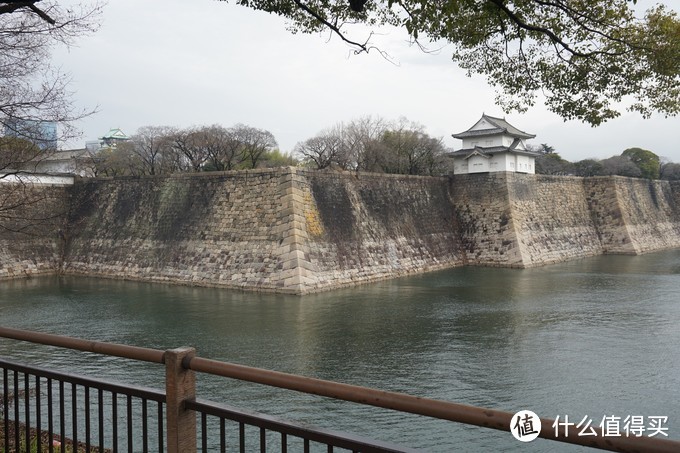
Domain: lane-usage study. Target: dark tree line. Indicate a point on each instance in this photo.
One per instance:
(375, 145)
(633, 162)
(158, 150)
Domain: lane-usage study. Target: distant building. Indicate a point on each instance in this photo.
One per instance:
(109, 140)
(42, 133)
(493, 145)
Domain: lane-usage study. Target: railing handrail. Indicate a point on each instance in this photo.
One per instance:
(456, 412)
(98, 347)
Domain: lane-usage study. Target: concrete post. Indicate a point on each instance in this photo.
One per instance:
(180, 386)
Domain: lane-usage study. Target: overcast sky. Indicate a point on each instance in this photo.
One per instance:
(157, 63)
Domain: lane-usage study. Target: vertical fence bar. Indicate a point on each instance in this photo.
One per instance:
(242, 437)
(160, 427)
(114, 415)
(100, 415)
(27, 412)
(180, 385)
(62, 416)
(204, 432)
(223, 436)
(5, 406)
(88, 433)
(129, 423)
(50, 418)
(38, 420)
(74, 408)
(145, 427)
(17, 436)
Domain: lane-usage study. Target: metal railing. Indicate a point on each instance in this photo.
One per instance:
(36, 400)
(177, 409)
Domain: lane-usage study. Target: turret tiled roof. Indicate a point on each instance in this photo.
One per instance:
(115, 134)
(500, 126)
(468, 152)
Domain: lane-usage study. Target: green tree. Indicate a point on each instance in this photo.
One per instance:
(585, 57)
(552, 164)
(588, 167)
(276, 158)
(670, 171)
(621, 166)
(648, 162)
(546, 149)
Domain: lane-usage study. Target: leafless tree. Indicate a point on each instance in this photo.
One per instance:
(190, 144)
(31, 90)
(156, 150)
(324, 149)
(222, 146)
(349, 146)
(254, 143)
(33, 93)
(360, 136)
(410, 150)
(115, 161)
(373, 144)
(153, 146)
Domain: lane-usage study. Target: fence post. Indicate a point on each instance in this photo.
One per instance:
(180, 386)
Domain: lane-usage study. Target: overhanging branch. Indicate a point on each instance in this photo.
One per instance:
(12, 5)
(334, 28)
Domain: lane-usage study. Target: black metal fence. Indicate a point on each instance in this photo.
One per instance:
(45, 410)
(252, 431)
(50, 411)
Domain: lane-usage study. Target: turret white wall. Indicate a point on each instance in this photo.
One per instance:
(497, 162)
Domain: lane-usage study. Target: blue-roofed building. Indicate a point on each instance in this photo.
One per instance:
(108, 140)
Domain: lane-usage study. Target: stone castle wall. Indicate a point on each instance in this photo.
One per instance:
(299, 231)
(359, 228)
(651, 213)
(281, 230)
(32, 219)
(222, 230)
(519, 220)
(485, 219)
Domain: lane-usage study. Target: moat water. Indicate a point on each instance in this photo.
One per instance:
(593, 337)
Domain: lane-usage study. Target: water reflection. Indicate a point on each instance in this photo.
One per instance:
(589, 337)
